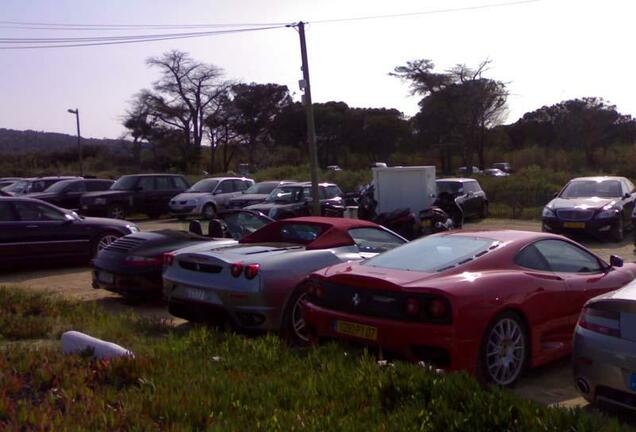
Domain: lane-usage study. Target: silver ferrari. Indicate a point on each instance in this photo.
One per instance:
(604, 353)
(258, 284)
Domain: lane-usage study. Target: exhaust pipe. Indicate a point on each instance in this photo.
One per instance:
(583, 385)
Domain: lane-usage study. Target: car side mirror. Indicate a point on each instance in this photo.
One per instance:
(616, 261)
(627, 195)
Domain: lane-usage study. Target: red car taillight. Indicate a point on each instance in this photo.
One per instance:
(168, 258)
(437, 309)
(601, 321)
(251, 270)
(315, 289)
(236, 269)
(413, 307)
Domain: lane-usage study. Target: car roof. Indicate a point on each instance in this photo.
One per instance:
(334, 231)
(54, 178)
(226, 178)
(153, 174)
(308, 183)
(508, 235)
(457, 179)
(598, 178)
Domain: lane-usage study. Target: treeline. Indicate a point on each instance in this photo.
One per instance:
(195, 121)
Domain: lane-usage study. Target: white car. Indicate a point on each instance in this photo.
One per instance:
(208, 196)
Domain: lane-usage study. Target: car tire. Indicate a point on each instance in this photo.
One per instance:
(208, 211)
(617, 234)
(483, 213)
(502, 360)
(102, 241)
(293, 328)
(116, 211)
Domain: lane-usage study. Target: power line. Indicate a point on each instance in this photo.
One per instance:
(117, 40)
(429, 12)
(63, 26)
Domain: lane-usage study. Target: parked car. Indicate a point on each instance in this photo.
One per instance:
(604, 346)
(33, 185)
(258, 284)
(333, 168)
(466, 193)
(67, 193)
(599, 206)
(206, 197)
(132, 265)
(488, 302)
(138, 193)
(495, 172)
(295, 199)
(256, 194)
(504, 166)
(36, 231)
(466, 171)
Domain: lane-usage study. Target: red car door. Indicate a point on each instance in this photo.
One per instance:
(585, 275)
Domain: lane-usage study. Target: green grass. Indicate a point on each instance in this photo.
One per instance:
(194, 378)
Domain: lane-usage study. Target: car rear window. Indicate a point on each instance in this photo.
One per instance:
(300, 233)
(433, 254)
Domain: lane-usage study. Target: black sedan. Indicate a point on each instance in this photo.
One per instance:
(35, 231)
(599, 206)
(67, 193)
(294, 200)
(132, 265)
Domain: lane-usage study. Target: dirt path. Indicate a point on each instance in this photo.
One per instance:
(551, 385)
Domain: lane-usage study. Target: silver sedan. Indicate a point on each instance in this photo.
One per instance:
(604, 354)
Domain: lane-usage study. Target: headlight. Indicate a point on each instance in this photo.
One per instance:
(132, 228)
(607, 213)
(100, 201)
(548, 212)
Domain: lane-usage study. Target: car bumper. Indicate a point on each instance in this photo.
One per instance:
(185, 210)
(434, 344)
(594, 227)
(145, 283)
(605, 368)
(245, 310)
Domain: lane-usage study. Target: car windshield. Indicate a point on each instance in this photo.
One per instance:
(432, 254)
(59, 186)
(448, 186)
(289, 194)
(18, 187)
(299, 233)
(592, 188)
(124, 183)
(261, 188)
(205, 185)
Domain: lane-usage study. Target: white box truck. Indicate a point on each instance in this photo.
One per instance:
(410, 187)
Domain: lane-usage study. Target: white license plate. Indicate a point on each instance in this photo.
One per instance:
(195, 294)
(105, 277)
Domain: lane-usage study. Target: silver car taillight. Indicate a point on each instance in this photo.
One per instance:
(601, 321)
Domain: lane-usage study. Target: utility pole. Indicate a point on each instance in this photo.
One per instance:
(311, 127)
(79, 140)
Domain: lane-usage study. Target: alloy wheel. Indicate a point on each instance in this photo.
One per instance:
(505, 351)
(117, 212)
(297, 321)
(105, 241)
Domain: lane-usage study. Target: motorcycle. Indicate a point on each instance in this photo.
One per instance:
(408, 224)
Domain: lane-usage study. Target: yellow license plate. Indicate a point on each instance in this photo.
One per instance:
(579, 225)
(426, 223)
(357, 330)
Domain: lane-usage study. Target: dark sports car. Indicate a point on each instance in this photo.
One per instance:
(488, 302)
(132, 265)
(35, 231)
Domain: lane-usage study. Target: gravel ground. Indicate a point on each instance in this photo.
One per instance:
(551, 384)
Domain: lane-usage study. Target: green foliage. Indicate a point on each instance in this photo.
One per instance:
(193, 378)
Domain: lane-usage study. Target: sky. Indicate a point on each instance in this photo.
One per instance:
(546, 51)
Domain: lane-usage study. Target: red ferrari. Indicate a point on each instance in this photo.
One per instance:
(488, 302)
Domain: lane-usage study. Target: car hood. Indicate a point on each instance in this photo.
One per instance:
(185, 196)
(581, 203)
(106, 222)
(250, 197)
(105, 194)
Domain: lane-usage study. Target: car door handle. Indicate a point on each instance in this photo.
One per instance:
(544, 276)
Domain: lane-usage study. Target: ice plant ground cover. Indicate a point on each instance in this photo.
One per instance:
(196, 378)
